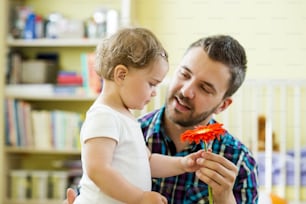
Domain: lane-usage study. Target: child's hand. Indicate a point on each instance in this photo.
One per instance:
(189, 162)
(71, 196)
(153, 198)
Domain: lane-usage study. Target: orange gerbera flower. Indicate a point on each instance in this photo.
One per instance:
(206, 134)
(203, 133)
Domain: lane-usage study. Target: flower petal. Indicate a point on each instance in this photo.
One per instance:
(203, 133)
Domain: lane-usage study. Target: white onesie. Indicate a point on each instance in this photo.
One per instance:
(130, 158)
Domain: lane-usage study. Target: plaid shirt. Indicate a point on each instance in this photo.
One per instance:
(186, 188)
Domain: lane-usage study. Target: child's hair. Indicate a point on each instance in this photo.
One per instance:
(131, 47)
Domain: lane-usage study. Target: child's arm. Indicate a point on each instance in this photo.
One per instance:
(98, 158)
(165, 166)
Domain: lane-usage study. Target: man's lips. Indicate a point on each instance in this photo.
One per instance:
(180, 105)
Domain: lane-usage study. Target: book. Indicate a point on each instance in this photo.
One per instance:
(13, 73)
(69, 79)
(92, 82)
(69, 90)
(27, 109)
(10, 120)
(66, 129)
(18, 123)
(41, 120)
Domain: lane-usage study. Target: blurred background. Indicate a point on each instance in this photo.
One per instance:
(46, 56)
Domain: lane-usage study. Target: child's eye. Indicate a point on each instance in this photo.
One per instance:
(152, 84)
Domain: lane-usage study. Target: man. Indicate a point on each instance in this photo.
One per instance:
(210, 72)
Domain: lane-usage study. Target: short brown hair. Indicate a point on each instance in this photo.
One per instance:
(228, 51)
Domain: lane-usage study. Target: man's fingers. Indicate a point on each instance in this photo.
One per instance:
(219, 159)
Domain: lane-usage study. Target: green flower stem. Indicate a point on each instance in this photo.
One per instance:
(210, 197)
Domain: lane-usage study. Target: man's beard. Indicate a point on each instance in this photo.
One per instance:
(192, 119)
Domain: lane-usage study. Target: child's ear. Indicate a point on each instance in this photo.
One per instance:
(120, 71)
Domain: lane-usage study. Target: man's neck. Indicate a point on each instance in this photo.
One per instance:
(174, 132)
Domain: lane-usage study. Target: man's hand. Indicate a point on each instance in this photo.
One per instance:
(71, 195)
(220, 174)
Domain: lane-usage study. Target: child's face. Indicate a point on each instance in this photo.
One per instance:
(140, 84)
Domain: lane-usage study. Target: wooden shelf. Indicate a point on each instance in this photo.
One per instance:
(33, 201)
(28, 150)
(51, 97)
(83, 42)
(44, 92)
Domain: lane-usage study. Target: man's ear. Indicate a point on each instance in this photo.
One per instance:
(223, 106)
(120, 71)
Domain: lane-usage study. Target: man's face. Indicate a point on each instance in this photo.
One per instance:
(197, 89)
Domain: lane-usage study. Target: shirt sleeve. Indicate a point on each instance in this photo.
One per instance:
(246, 186)
(100, 122)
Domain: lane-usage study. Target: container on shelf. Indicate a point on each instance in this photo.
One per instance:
(19, 184)
(39, 184)
(59, 182)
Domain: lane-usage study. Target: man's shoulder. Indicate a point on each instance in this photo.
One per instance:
(236, 151)
(234, 143)
(148, 115)
(228, 140)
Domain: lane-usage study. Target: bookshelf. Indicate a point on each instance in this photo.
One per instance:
(3, 23)
(31, 159)
(53, 43)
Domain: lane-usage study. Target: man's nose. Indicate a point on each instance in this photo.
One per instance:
(188, 90)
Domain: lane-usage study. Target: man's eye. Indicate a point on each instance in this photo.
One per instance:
(183, 74)
(206, 89)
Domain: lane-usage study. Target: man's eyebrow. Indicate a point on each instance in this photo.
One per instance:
(186, 69)
(210, 85)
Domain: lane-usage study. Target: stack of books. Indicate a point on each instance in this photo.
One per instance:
(69, 82)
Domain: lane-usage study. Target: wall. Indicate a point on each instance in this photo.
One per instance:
(272, 31)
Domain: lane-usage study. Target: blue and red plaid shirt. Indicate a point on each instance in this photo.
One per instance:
(186, 188)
